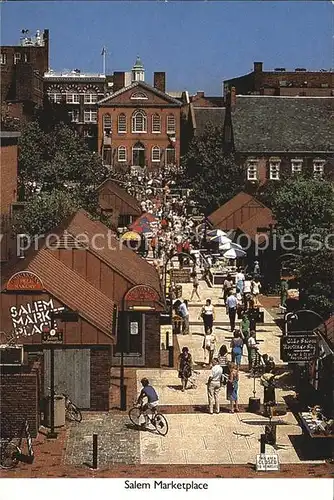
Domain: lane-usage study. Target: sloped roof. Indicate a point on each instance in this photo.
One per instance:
(262, 218)
(115, 188)
(231, 206)
(274, 124)
(64, 284)
(124, 261)
(144, 86)
(203, 116)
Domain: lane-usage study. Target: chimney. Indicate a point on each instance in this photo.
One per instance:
(118, 80)
(159, 80)
(258, 67)
(200, 93)
(233, 98)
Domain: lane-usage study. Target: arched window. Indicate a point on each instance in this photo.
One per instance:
(155, 153)
(138, 155)
(139, 95)
(122, 123)
(156, 124)
(107, 124)
(121, 153)
(139, 122)
(170, 124)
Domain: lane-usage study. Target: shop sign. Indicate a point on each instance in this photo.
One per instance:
(30, 318)
(299, 348)
(52, 336)
(267, 463)
(142, 293)
(24, 281)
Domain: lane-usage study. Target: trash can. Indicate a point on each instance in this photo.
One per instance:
(59, 420)
(254, 405)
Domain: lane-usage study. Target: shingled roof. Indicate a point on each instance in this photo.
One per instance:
(263, 218)
(275, 124)
(231, 206)
(121, 193)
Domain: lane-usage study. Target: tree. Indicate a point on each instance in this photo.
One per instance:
(214, 176)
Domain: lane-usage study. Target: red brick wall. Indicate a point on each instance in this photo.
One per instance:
(152, 341)
(100, 364)
(19, 400)
(8, 176)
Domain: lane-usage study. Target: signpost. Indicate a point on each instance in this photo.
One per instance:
(267, 463)
(299, 348)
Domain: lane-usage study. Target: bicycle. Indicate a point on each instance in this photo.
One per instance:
(72, 412)
(152, 416)
(11, 446)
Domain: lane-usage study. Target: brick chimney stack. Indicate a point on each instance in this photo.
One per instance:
(258, 67)
(118, 80)
(159, 81)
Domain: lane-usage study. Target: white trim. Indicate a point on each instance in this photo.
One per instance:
(123, 149)
(125, 121)
(274, 170)
(134, 116)
(155, 149)
(156, 115)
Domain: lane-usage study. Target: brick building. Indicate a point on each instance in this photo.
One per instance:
(139, 125)
(118, 305)
(280, 82)
(22, 70)
(275, 137)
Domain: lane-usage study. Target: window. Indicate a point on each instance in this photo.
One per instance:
(25, 58)
(252, 170)
(156, 124)
(274, 167)
(139, 122)
(170, 124)
(156, 153)
(139, 95)
(107, 123)
(74, 115)
(318, 168)
(296, 166)
(122, 124)
(170, 156)
(90, 98)
(122, 153)
(72, 98)
(90, 116)
(138, 155)
(17, 58)
(3, 58)
(55, 97)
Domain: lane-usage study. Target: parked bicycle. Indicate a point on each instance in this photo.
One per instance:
(152, 417)
(72, 412)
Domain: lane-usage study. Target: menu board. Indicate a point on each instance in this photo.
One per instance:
(299, 348)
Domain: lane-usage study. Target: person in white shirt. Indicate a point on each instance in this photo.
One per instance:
(247, 291)
(214, 384)
(240, 280)
(252, 350)
(255, 288)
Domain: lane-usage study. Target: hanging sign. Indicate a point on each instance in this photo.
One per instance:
(52, 336)
(142, 293)
(24, 281)
(299, 348)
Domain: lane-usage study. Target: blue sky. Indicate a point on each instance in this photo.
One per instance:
(198, 44)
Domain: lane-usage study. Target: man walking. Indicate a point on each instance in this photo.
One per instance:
(184, 313)
(214, 384)
(231, 309)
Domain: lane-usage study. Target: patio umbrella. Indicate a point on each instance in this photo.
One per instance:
(229, 245)
(213, 233)
(130, 236)
(234, 253)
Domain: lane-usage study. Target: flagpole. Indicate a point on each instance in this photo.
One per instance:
(103, 60)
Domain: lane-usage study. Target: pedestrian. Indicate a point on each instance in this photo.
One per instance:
(195, 285)
(184, 313)
(232, 388)
(214, 384)
(208, 316)
(245, 328)
(255, 290)
(252, 350)
(227, 287)
(256, 269)
(240, 280)
(284, 292)
(247, 291)
(154, 246)
(231, 309)
(268, 381)
(223, 361)
(185, 367)
(236, 348)
(209, 346)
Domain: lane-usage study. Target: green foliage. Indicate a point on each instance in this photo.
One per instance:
(214, 176)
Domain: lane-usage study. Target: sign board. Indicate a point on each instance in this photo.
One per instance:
(144, 293)
(52, 336)
(267, 463)
(180, 275)
(24, 281)
(134, 328)
(299, 348)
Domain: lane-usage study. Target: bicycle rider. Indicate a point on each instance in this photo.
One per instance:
(152, 400)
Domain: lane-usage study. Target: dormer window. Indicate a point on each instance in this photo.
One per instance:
(274, 169)
(139, 95)
(252, 170)
(318, 168)
(296, 165)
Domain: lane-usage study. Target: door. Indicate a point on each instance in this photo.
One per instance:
(72, 374)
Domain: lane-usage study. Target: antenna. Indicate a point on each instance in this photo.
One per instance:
(103, 54)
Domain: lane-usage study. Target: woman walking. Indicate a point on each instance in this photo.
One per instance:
(222, 360)
(208, 316)
(236, 348)
(232, 388)
(255, 290)
(209, 345)
(195, 286)
(227, 287)
(185, 367)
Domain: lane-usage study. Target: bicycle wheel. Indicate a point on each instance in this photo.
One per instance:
(160, 423)
(73, 413)
(134, 415)
(9, 455)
